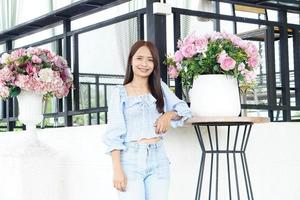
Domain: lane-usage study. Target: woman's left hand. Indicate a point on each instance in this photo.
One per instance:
(162, 124)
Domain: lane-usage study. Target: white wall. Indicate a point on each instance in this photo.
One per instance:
(74, 167)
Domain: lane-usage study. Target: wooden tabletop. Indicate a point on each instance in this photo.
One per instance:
(228, 119)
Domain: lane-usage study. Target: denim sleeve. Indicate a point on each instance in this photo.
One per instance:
(173, 103)
(116, 128)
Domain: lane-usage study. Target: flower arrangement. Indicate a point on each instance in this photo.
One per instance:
(36, 70)
(215, 53)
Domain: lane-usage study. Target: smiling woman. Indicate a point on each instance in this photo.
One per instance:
(139, 114)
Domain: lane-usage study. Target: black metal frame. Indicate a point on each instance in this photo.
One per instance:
(214, 149)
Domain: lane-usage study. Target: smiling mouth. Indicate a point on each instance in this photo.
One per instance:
(143, 69)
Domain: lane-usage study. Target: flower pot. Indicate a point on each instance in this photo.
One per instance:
(30, 109)
(215, 95)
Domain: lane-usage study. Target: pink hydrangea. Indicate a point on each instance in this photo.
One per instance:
(59, 62)
(15, 55)
(36, 59)
(34, 69)
(4, 90)
(6, 74)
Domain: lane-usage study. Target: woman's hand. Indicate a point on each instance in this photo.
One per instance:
(120, 180)
(162, 124)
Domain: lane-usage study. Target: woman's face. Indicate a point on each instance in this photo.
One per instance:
(142, 62)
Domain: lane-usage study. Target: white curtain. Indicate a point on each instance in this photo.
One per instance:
(207, 6)
(9, 10)
(125, 32)
(9, 13)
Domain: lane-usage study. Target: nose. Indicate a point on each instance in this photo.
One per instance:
(144, 62)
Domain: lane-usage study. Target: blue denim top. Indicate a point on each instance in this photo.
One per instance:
(131, 118)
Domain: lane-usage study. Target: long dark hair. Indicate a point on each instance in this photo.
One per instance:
(154, 78)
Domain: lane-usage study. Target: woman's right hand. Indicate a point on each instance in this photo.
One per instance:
(120, 180)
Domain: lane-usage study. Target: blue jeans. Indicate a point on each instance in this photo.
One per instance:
(147, 169)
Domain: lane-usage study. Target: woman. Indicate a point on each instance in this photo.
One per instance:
(139, 114)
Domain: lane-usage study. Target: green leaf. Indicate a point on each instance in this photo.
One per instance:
(14, 91)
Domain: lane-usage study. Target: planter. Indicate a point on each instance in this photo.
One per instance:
(215, 95)
(30, 109)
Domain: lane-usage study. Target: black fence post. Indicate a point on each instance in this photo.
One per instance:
(156, 33)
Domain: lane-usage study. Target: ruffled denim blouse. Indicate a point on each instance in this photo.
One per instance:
(131, 118)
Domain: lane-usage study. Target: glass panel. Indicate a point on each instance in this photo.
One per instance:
(272, 15)
(226, 9)
(107, 54)
(293, 18)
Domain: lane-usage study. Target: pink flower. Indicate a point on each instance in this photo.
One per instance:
(235, 40)
(201, 44)
(36, 59)
(188, 51)
(253, 62)
(34, 51)
(30, 69)
(17, 54)
(251, 50)
(226, 62)
(6, 74)
(59, 62)
(173, 72)
(241, 66)
(189, 40)
(178, 56)
(61, 92)
(4, 91)
(179, 44)
(28, 75)
(66, 75)
(215, 36)
(249, 76)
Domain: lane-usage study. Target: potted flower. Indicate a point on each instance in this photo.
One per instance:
(212, 66)
(31, 74)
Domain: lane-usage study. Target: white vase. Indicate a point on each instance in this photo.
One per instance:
(215, 95)
(30, 109)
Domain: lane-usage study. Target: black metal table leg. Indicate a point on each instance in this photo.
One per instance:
(209, 135)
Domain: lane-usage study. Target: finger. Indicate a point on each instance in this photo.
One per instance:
(166, 129)
(123, 186)
(115, 184)
(119, 187)
(161, 129)
(158, 128)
